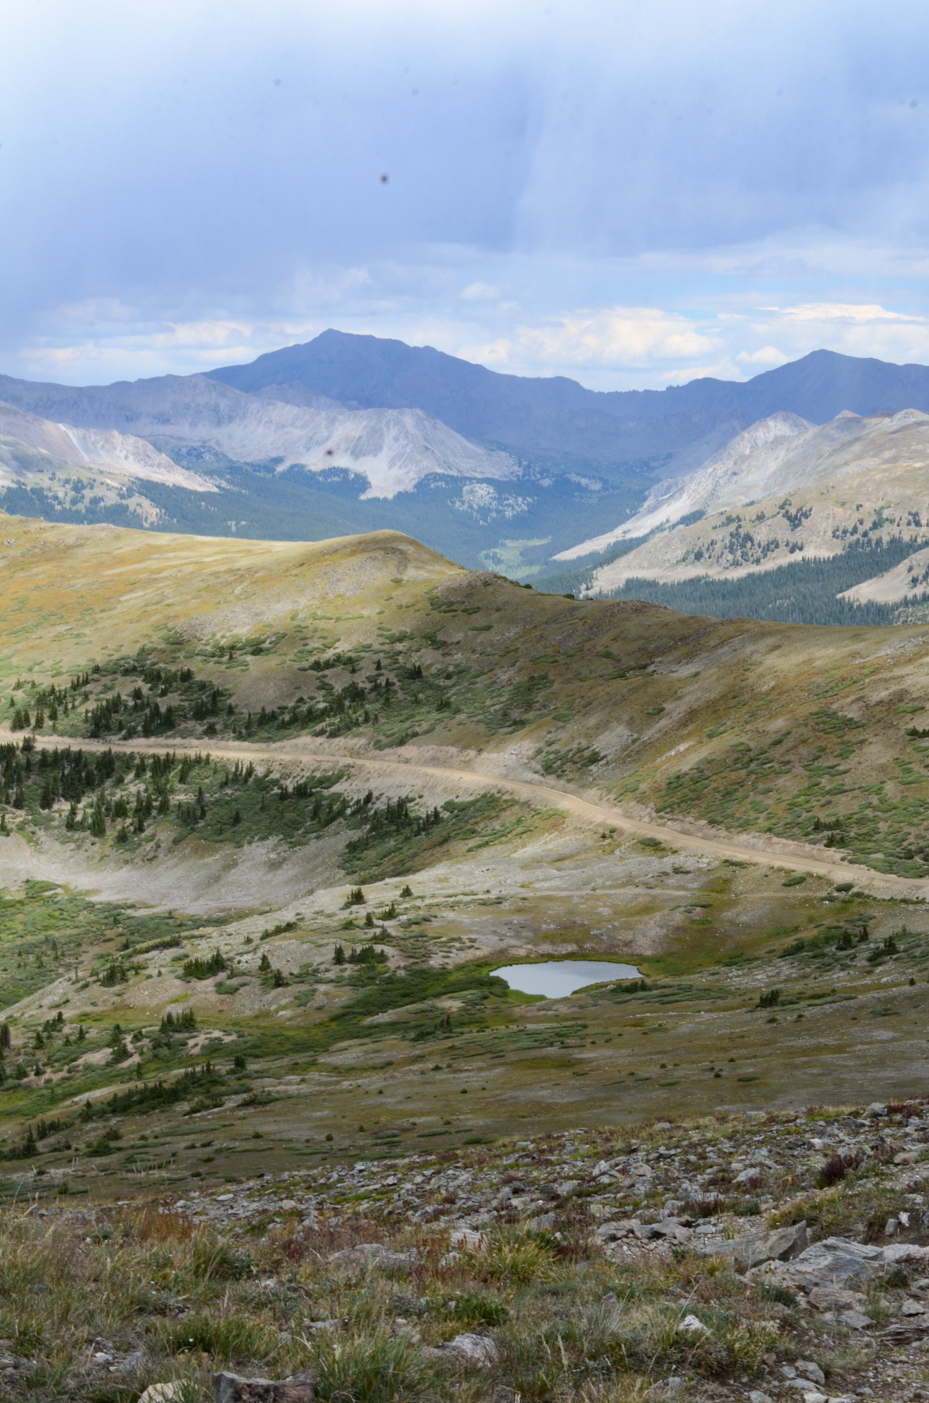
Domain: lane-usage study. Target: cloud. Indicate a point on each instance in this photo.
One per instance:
(717, 186)
(480, 292)
(619, 336)
(184, 348)
(765, 358)
(829, 312)
(854, 329)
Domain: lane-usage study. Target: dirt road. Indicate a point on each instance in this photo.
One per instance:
(774, 852)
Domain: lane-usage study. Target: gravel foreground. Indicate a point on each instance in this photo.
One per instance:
(751, 1257)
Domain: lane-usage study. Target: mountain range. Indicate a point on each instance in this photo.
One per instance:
(555, 418)
(537, 478)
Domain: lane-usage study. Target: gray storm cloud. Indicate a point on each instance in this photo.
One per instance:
(166, 162)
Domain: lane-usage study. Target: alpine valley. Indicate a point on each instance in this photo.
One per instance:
(418, 985)
(796, 495)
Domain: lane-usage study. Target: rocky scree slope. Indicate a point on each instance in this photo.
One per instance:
(199, 418)
(677, 1263)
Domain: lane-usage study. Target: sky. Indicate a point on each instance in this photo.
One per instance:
(632, 195)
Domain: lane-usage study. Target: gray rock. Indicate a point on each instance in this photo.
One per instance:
(365, 1253)
(672, 1230)
(829, 1298)
(470, 1241)
(161, 1393)
(779, 1246)
(903, 1252)
(230, 1388)
(479, 1351)
(756, 1396)
(614, 1230)
(692, 1325)
(834, 1263)
(807, 1369)
(854, 1320)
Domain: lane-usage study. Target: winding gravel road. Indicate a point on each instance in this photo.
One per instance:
(772, 852)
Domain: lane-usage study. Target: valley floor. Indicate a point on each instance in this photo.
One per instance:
(271, 820)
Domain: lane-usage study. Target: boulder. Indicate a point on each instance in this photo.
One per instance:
(692, 1325)
(834, 1263)
(470, 1241)
(479, 1351)
(161, 1393)
(807, 1369)
(855, 1320)
(365, 1253)
(230, 1388)
(779, 1246)
(671, 1229)
(898, 1252)
(835, 1299)
(614, 1230)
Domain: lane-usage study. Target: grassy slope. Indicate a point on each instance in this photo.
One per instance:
(748, 725)
(691, 716)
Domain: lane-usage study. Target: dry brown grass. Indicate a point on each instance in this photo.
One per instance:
(166, 1299)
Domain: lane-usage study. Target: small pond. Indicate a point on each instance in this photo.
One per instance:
(555, 979)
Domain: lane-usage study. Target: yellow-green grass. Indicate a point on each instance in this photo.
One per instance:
(605, 698)
(796, 732)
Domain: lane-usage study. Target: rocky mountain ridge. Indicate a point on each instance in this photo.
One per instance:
(550, 416)
(66, 447)
(783, 490)
(354, 433)
(195, 418)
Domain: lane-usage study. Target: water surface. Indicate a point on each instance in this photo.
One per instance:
(555, 979)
